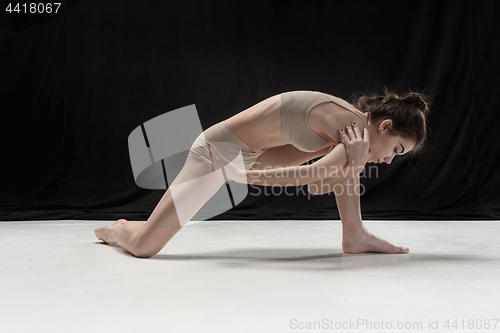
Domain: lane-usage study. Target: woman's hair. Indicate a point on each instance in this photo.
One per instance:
(408, 113)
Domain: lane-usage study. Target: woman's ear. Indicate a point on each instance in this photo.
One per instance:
(385, 124)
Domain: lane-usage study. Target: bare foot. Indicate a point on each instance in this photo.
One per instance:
(363, 241)
(106, 233)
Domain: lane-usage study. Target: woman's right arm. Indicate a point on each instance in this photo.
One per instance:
(326, 167)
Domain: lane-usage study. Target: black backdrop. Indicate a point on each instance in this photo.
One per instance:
(72, 90)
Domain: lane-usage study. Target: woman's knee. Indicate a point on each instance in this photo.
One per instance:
(146, 249)
(144, 253)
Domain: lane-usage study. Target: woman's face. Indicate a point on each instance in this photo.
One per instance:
(383, 147)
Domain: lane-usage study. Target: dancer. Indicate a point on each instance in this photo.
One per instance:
(275, 137)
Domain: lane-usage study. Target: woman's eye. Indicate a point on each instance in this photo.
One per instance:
(396, 151)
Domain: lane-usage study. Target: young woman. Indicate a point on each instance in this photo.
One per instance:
(275, 137)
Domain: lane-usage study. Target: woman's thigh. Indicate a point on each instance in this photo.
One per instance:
(285, 156)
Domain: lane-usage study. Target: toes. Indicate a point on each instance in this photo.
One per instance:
(394, 249)
(403, 250)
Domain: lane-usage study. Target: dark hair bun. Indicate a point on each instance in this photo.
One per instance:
(415, 99)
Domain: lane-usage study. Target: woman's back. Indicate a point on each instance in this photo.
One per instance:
(304, 119)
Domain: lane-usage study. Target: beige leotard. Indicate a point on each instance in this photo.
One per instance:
(295, 106)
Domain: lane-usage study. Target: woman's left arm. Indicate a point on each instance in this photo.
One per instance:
(348, 204)
(348, 200)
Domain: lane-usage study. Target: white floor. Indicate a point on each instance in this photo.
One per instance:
(263, 276)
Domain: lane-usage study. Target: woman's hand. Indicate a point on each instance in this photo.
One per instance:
(357, 146)
(219, 162)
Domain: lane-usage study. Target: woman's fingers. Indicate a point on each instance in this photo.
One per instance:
(214, 153)
(207, 162)
(344, 135)
(213, 157)
(207, 151)
(351, 132)
(348, 134)
(357, 131)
